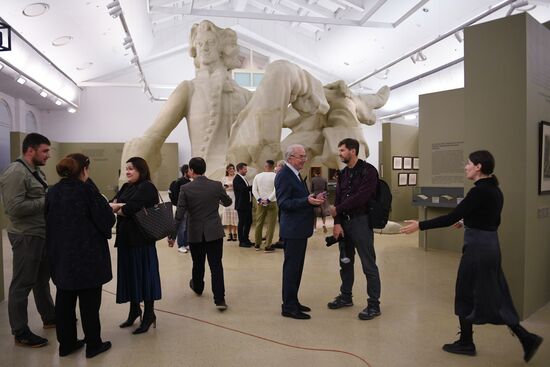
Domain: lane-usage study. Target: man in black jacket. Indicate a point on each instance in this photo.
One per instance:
(355, 187)
(174, 193)
(243, 205)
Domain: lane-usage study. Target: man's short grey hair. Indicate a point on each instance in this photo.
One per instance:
(291, 149)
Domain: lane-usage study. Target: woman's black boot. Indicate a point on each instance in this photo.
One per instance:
(529, 341)
(135, 312)
(149, 318)
(465, 345)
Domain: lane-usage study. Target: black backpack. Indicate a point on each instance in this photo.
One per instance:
(380, 205)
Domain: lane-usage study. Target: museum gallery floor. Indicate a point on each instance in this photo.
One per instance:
(417, 316)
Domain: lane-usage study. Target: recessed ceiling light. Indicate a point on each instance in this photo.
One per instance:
(21, 80)
(71, 110)
(410, 116)
(62, 41)
(84, 66)
(43, 93)
(58, 102)
(35, 9)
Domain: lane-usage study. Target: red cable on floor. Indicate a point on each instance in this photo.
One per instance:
(257, 336)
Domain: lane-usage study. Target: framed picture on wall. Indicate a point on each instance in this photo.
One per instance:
(416, 163)
(407, 163)
(397, 163)
(402, 179)
(544, 158)
(411, 179)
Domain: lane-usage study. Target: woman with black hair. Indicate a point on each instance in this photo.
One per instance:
(138, 277)
(481, 295)
(78, 224)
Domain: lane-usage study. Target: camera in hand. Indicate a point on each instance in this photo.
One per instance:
(331, 240)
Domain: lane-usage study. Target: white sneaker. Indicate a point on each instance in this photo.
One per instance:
(183, 250)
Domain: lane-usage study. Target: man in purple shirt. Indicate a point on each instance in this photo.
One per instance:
(355, 187)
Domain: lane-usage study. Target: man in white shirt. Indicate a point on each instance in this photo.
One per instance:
(263, 189)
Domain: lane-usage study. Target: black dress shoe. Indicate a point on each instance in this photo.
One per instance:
(304, 308)
(193, 288)
(244, 244)
(66, 351)
(299, 315)
(91, 353)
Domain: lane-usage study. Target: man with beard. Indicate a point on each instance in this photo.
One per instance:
(355, 187)
(23, 186)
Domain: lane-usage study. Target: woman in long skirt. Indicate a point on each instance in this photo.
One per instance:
(138, 277)
(482, 295)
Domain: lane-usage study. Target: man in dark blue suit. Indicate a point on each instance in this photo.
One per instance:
(296, 226)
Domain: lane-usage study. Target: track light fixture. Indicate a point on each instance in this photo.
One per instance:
(459, 37)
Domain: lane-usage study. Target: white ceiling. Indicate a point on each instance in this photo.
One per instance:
(334, 39)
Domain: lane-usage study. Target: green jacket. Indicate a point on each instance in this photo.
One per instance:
(23, 196)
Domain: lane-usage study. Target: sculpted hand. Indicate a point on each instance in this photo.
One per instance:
(411, 227)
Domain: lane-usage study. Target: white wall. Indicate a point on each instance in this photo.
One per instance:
(111, 114)
(18, 109)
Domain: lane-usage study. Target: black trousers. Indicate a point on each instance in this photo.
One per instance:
(358, 236)
(213, 251)
(245, 222)
(293, 266)
(89, 301)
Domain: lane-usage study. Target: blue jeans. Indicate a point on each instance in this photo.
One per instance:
(182, 233)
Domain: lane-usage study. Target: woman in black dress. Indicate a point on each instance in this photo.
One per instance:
(78, 224)
(138, 277)
(481, 295)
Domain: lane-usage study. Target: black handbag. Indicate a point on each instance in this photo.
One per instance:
(157, 221)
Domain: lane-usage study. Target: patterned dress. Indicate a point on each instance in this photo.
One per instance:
(229, 214)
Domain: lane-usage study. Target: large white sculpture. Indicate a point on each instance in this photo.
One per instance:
(228, 123)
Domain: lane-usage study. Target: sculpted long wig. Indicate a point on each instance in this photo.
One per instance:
(227, 41)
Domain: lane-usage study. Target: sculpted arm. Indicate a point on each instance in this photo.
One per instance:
(148, 146)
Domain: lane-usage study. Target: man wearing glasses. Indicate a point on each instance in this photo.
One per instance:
(296, 226)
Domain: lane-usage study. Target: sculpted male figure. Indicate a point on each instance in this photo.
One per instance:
(212, 102)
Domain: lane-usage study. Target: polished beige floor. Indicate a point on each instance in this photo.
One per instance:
(417, 317)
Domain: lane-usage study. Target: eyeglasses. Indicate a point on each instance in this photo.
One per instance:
(300, 157)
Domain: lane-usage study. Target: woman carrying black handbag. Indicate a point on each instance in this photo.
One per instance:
(138, 277)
